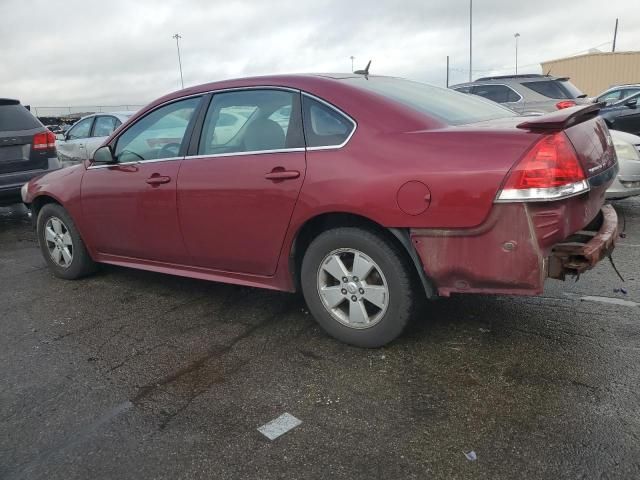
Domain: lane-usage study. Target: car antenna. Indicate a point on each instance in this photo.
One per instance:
(364, 72)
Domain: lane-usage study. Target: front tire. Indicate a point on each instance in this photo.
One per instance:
(61, 245)
(359, 286)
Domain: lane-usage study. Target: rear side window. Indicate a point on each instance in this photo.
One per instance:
(496, 93)
(556, 89)
(251, 121)
(104, 126)
(16, 117)
(324, 126)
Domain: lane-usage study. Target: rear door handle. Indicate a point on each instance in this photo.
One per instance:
(156, 179)
(282, 174)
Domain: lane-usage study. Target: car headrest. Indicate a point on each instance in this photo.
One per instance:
(264, 134)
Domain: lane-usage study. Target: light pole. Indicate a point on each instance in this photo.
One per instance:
(470, 38)
(352, 59)
(177, 36)
(517, 35)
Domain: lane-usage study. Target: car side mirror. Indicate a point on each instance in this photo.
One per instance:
(103, 156)
(61, 137)
(633, 103)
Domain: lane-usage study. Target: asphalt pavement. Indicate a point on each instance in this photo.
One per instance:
(136, 375)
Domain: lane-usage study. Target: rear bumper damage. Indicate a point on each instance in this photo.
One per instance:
(582, 250)
(518, 247)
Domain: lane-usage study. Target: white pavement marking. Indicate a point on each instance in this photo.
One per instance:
(626, 245)
(279, 426)
(613, 301)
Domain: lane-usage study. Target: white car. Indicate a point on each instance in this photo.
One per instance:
(87, 134)
(627, 183)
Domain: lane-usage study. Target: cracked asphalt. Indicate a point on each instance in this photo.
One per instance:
(135, 375)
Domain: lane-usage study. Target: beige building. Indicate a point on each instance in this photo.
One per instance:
(594, 72)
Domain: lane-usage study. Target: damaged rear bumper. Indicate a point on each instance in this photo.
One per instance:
(582, 250)
(519, 246)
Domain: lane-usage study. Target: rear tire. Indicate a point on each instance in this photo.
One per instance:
(359, 286)
(61, 245)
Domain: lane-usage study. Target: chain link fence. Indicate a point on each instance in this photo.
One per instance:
(75, 112)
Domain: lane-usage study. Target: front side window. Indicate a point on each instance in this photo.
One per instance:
(627, 92)
(251, 121)
(80, 129)
(496, 93)
(157, 135)
(104, 126)
(610, 97)
(324, 126)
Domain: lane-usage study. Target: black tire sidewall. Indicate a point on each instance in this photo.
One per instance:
(396, 273)
(81, 263)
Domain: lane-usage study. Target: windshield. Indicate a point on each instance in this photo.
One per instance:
(449, 106)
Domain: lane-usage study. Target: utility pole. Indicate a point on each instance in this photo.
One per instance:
(470, 39)
(517, 35)
(615, 36)
(352, 59)
(178, 37)
(447, 71)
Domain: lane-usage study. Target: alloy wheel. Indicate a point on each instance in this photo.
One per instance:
(353, 288)
(59, 242)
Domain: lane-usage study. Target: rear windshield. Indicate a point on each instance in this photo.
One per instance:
(449, 106)
(558, 89)
(16, 117)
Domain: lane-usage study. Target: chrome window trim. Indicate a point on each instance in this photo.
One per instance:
(501, 85)
(252, 152)
(117, 164)
(340, 112)
(189, 157)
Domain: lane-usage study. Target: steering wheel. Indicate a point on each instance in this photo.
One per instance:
(169, 150)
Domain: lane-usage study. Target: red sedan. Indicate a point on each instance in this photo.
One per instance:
(367, 193)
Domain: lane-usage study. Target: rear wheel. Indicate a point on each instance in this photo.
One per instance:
(358, 285)
(61, 245)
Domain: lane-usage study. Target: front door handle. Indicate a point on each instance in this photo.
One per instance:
(282, 174)
(156, 179)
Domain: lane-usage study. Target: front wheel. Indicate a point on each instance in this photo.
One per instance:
(61, 245)
(359, 286)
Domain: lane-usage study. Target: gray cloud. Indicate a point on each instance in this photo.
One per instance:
(81, 52)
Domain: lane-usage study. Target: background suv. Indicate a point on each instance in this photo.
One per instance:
(27, 149)
(526, 94)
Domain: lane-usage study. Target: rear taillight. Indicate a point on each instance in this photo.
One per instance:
(550, 170)
(44, 140)
(565, 104)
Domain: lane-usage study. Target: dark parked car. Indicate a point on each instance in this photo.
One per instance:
(27, 149)
(526, 94)
(623, 115)
(365, 192)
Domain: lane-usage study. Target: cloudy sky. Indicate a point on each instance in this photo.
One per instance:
(85, 52)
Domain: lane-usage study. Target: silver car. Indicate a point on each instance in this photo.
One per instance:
(627, 183)
(87, 134)
(526, 94)
(617, 93)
